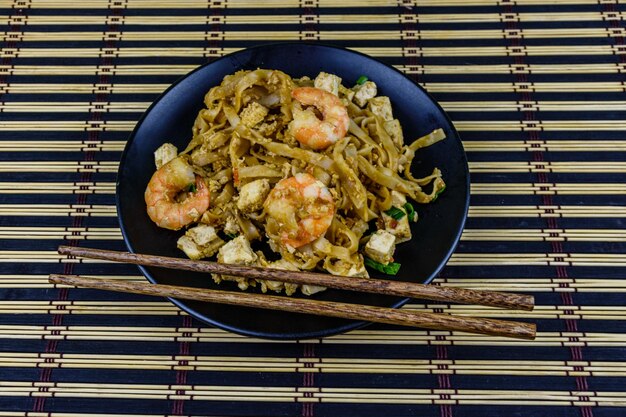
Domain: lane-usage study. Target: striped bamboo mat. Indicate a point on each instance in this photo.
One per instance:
(537, 91)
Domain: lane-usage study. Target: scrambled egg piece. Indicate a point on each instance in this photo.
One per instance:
(253, 114)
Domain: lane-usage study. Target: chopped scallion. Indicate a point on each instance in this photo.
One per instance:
(362, 79)
(192, 188)
(391, 268)
(395, 213)
(410, 211)
(231, 236)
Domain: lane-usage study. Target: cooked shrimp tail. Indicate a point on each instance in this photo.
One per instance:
(300, 209)
(313, 132)
(175, 196)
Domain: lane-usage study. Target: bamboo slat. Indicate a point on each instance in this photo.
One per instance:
(322, 18)
(181, 69)
(61, 145)
(548, 211)
(548, 188)
(312, 394)
(57, 188)
(210, 52)
(57, 233)
(542, 235)
(578, 167)
(544, 145)
(323, 35)
(244, 4)
(382, 337)
(313, 365)
(58, 210)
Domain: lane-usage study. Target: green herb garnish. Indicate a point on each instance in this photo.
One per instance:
(231, 236)
(192, 188)
(391, 268)
(410, 211)
(438, 192)
(395, 213)
(362, 79)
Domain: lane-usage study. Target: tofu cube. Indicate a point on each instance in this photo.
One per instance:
(328, 82)
(191, 248)
(253, 114)
(393, 128)
(231, 227)
(346, 92)
(381, 247)
(400, 228)
(202, 234)
(278, 286)
(381, 107)
(164, 154)
(238, 252)
(364, 92)
(252, 195)
(398, 199)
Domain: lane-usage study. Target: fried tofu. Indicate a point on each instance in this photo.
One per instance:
(364, 92)
(381, 247)
(328, 82)
(252, 195)
(164, 154)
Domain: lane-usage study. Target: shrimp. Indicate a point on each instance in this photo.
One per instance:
(163, 189)
(313, 132)
(300, 209)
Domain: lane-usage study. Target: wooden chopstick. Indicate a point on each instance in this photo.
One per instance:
(377, 286)
(309, 306)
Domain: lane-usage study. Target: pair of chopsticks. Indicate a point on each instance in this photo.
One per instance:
(310, 306)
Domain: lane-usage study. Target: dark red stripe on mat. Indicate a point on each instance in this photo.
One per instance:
(81, 199)
(178, 407)
(551, 222)
(408, 25)
(308, 379)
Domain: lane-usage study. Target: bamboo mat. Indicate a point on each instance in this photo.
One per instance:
(537, 91)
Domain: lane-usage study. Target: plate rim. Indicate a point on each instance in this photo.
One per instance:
(353, 324)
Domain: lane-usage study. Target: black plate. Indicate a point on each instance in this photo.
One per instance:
(170, 118)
